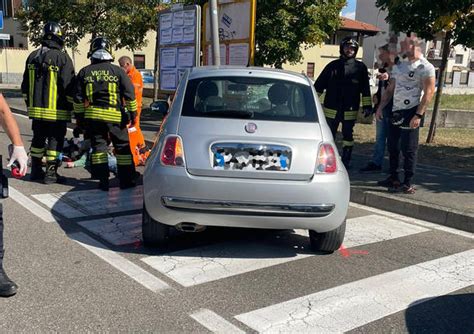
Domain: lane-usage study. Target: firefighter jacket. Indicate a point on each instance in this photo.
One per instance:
(137, 82)
(344, 80)
(103, 92)
(48, 83)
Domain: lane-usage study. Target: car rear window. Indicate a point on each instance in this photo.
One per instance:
(249, 98)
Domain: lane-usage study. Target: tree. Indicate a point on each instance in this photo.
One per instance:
(452, 19)
(284, 25)
(124, 22)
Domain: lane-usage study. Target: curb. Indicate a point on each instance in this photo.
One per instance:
(416, 209)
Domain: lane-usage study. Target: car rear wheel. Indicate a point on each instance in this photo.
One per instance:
(328, 241)
(155, 234)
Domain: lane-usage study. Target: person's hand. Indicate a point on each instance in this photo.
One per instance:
(383, 76)
(415, 122)
(378, 114)
(367, 111)
(375, 99)
(19, 154)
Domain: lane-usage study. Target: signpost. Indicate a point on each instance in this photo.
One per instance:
(179, 37)
(236, 20)
(1, 19)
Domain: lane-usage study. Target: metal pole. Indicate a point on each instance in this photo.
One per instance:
(216, 54)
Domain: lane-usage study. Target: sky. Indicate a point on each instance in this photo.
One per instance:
(349, 10)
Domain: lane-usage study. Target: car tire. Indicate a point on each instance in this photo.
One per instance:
(327, 242)
(155, 234)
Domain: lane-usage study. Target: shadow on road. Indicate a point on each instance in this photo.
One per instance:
(445, 314)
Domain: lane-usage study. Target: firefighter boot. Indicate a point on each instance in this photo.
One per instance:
(130, 182)
(37, 172)
(346, 156)
(7, 286)
(104, 184)
(52, 175)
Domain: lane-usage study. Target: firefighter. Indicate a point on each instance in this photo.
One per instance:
(345, 80)
(137, 141)
(48, 83)
(104, 103)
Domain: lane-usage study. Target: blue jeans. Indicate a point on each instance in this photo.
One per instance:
(381, 135)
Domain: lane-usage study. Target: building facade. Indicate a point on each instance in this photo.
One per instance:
(316, 58)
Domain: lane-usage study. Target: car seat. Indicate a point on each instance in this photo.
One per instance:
(207, 93)
(278, 96)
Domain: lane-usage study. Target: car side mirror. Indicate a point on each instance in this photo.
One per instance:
(160, 106)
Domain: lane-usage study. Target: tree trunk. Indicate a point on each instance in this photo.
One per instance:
(439, 91)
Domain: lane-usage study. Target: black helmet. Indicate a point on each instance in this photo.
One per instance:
(53, 31)
(99, 43)
(348, 41)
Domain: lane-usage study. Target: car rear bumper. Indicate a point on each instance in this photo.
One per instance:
(172, 196)
(250, 208)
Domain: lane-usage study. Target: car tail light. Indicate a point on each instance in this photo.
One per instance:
(326, 161)
(172, 153)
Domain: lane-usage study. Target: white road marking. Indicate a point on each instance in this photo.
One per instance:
(127, 267)
(30, 205)
(214, 322)
(123, 230)
(209, 263)
(75, 204)
(414, 221)
(352, 305)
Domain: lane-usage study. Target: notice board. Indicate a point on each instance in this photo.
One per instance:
(179, 41)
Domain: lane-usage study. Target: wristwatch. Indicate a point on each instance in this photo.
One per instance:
(419, 115)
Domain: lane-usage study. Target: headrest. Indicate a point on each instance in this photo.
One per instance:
(206, 89)
(278, 94)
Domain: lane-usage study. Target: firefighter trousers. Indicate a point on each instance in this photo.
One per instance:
(347, 129)
(48, 139)
(101, 134)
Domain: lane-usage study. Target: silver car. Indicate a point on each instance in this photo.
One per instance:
(245, 147)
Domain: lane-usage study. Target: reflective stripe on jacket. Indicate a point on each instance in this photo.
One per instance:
(103, 91)
(48, 83)
(345, 81)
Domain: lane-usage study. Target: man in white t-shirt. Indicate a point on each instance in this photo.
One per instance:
(412, 86)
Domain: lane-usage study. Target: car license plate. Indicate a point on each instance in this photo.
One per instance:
(251, 157)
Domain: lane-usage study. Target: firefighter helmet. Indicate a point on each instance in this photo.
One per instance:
(348, 41)
(99, 43)
(53, 31)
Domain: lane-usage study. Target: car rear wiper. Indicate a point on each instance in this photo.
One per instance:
(230, 113)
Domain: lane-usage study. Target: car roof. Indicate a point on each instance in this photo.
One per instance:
(261, 72)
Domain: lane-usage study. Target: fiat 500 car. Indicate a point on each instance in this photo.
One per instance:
(245, 147)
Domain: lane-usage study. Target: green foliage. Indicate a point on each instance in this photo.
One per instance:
(284, 25)
(428, 18)
(124, 22)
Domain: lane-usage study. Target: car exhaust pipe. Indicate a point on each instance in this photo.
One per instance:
(190, 227)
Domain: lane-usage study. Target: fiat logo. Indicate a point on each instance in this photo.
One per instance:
(251, 127)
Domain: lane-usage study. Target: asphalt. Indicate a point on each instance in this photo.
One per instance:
(442, 196)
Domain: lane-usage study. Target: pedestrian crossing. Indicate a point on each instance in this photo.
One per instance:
(210, 263)
(352, 305)
(334, 309)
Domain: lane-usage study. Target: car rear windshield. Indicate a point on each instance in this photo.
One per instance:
(249, 98)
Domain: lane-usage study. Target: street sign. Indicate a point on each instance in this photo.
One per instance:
(1, 19)
(5, 36)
